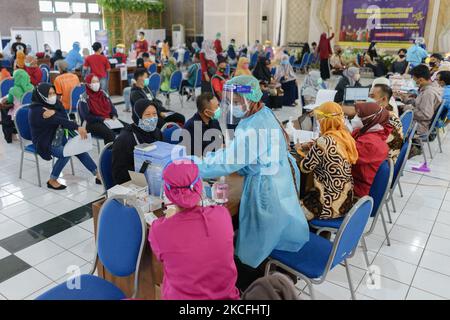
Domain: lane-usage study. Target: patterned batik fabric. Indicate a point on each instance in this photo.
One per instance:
(332, 195)
(395, 139)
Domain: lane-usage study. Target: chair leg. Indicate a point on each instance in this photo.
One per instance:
(400, 189)
(21, 165)
(312, 293)
(429, 148)
(350, 283)
(383, 220)
(423, 150)
(393, 208)
(38, 171)
(439, 141)
(71, 165)
(365, 251)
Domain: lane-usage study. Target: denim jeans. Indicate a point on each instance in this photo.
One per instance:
(104, 84)
(58, 152)
(127, 98)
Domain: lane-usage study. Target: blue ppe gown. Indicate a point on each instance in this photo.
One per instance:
(270, 216)
(74, 58)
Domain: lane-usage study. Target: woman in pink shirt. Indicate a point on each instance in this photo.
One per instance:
(195, 243)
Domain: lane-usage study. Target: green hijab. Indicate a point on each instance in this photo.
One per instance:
(22, 85)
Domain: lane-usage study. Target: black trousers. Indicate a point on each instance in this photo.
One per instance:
(325, 69)
(99, 129)
(8, 126)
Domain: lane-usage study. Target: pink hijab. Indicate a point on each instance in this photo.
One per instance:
(182, 183)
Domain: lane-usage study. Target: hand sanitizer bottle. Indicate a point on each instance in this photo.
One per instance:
(220, 191)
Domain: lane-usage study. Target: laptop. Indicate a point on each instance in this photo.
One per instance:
(353, 94)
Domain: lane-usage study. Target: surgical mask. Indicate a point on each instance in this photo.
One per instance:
(120, 50)
(50, 100)
(217, 114)
(357, 123)
(148, 124)
(222, 70)
(238, 112)
(285, 62)
(95, 86)
(146, 82)
(370, 100)
(27, 64)
(319, 81)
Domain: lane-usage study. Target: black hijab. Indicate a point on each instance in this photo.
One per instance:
(262, 72)
(57, 56)
(372, 52)
(40, 92)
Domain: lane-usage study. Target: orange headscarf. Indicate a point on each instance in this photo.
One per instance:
(240, 70)
(331, 119)
(20, 59)
(4, 74)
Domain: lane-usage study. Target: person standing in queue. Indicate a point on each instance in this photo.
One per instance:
(270, 216)
(99, 65)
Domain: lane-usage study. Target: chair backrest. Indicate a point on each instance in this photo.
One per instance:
(121, 237)
(75, 97)
(5, 85)
(436, 117)
(187, 57)
(45, 66)
(407, 120)
(304, 60)
(153, 68)
(273, 71)
(175, 55)
(175, 80)
(22, 123)
(381, 185)
(310, 60)
(401, 161)
(26, 98)
(268, 55)
(154, 83)
(105, 167)
(198, 80)
(292, 60)
(253, 60)
(5, 63)
(349, 235)
(45, 75)
(167, 132)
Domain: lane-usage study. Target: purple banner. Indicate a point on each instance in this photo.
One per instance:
(383, 20)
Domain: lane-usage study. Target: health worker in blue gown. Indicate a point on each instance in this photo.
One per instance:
(270, 216)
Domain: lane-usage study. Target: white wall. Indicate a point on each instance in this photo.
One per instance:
(228, 17)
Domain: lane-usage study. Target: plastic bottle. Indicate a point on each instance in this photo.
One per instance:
(220, 191)
(290, 130)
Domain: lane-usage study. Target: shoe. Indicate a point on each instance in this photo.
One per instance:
(98, 181)
(61, 187)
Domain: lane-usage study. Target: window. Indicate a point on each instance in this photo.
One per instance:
(79, 7)
(45, 6)
(62, 6)
(93, 8)
(48, 25)
(95, 26)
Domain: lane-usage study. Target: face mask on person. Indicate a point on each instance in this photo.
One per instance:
(222, 70)
(245, 66)
(238, 112)
(285, 62)
(319, 81)
(50, 100)
(95, 86)
(370, 100)
(217, 114)
(120, 50)
(27, 64)
(357, 123)
(146, 82)
(148, 124)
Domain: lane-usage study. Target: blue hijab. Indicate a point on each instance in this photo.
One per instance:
(74, 58)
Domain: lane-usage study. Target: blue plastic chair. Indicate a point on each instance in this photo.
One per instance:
(198, 83)
(175, 56)
(5, 63)
(5, 85)
(379, 193)
(75, 97)
(105, 167)
(187, 57)
(26, 98)
(407, 120)
(398, 171)
(268, 55)
(121, 236)
(153, 68)
(175, 84)
(292, 60)
(425, 138)
(273, 71)
(168, 131)
(318, 256)
(155, 83)
(302, 64)
(253, 60)
(45, 75)
(45, 66)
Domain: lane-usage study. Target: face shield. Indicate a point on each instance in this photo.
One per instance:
(234, 104)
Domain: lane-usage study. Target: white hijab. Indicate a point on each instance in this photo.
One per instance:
(208, 50)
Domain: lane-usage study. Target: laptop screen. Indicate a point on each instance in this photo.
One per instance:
(356, 94)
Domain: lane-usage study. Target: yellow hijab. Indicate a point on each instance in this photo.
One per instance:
(20, 59)
(331, 119)
(240, 71)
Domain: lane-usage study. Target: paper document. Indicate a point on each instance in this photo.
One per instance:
(322, 97)
(113, 124)
(76, 146)
(302, 136)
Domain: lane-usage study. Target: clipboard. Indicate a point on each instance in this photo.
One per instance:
(76, 146)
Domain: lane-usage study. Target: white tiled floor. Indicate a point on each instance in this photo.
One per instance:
(415, 266)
